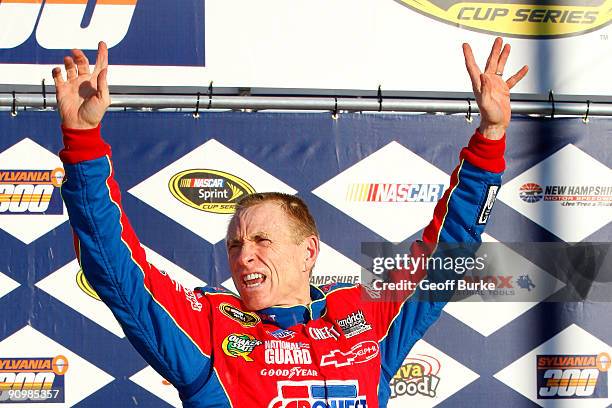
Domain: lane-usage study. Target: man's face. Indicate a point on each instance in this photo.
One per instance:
(268, 267)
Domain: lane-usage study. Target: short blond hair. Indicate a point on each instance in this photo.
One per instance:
(303, 224)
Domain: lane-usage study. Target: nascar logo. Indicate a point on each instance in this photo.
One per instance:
(392, 193)
(519, 18)
(30, 191)
(209, 190)
(60, 23)
(318, 394)
(246, 319)
(33, 379)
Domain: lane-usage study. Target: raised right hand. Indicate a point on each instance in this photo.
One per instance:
(82, 99)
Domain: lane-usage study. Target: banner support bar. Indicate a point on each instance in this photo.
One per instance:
(256, 103)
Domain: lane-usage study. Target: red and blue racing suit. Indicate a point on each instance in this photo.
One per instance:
(338, 351)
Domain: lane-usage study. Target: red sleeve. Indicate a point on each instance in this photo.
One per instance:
(82, 145)
(485, 153)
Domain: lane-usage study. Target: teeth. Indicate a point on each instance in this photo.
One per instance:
(251, 277)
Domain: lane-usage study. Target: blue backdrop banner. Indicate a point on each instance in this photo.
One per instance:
(557, 188)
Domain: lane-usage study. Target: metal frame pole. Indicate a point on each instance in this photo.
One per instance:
(155, 102)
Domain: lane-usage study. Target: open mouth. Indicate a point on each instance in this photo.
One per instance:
(253, 280)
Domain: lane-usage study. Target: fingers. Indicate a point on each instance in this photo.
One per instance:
(472, 67)
(103, 91)
(81, 61)
(501, 63)
(101, 58)
(57, 76)
(485, 88)
(71, 68)
(493, 56)
(515, 79)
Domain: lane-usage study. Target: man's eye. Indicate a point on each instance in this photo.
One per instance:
(264, 241)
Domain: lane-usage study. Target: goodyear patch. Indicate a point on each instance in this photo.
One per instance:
(31, 192)
(208, 190)
(519, 18)
(32, 380)
(246, 319)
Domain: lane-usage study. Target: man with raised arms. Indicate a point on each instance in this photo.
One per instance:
(282, 342)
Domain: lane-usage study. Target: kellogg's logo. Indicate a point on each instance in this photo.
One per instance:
(31, 192)
(209, 190)
(519, 18)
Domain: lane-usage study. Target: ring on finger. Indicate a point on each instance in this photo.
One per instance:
(499, 73)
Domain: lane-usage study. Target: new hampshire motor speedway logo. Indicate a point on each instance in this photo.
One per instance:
(151, 32)
(318, 394)
(418, 375)
(519, 18)
(573, 376)
(567, 195)
(31, 380)
(31, 192)
(208, 190)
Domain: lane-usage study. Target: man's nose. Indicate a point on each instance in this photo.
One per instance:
(247, 254)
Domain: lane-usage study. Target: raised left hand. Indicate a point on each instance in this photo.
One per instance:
(492, 92)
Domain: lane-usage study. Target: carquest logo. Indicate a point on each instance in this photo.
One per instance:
(209, 190)
(151, 32)
(520, 18)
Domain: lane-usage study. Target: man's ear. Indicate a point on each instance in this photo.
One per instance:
(311, 246)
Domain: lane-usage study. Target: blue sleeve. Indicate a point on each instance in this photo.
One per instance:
(459, 216)
(169, 325)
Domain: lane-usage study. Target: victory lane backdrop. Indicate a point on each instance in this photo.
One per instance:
(336, 166)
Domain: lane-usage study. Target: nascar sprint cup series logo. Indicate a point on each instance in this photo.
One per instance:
(31, 191)
(519, 18)
(209, 190)
(28, 380)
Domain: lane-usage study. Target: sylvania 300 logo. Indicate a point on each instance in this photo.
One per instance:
(519, 18)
